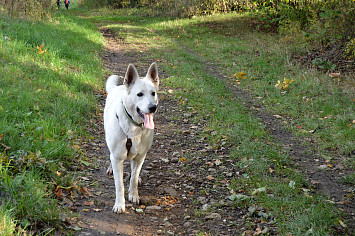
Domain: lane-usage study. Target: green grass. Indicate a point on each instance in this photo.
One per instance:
(7, 225)
(228, 44)
(47, 97)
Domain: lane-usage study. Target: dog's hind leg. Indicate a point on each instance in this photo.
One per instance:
(117, 167)
(136, 166)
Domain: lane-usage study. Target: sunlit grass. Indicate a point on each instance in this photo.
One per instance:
(49, 74)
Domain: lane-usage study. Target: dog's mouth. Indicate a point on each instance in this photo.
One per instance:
(147, 119)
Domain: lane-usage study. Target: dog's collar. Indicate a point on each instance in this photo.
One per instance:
(130, 117)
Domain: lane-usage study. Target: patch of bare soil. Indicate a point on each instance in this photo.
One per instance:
(179, 198)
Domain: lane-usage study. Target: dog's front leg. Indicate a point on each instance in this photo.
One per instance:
(136, 166)
(117, 167)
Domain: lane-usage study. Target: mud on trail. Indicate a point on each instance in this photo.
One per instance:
(174, 200)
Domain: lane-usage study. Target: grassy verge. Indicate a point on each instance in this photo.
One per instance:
(49, 72)
(257, 62)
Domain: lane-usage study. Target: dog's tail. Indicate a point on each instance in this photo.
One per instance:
(112, 82)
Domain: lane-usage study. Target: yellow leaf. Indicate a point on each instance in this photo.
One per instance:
(183, 159)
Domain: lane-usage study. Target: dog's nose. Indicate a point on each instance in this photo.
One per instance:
(152, 108)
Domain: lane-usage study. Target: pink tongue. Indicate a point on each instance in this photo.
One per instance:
(148, 121)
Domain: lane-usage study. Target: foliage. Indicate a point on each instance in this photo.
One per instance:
(350, 49)
(323, 64)
(34, 10)
(319, 24)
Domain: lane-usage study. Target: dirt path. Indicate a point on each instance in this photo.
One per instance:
(177, 198)
(170, 193)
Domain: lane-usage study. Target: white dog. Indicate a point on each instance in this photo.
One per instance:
(128, 121)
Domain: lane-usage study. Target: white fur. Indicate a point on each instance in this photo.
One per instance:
(117, 130)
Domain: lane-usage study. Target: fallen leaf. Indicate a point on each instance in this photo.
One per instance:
(292, 184)
(97, 210)
(89, 203)
(85, 191)
(238, 197)
(210, 177)
(59, 192)
(334, 75)
(342, 224)
(284, 85)
(139, 210)
(258, 231)
(315, 182)
(259, 190)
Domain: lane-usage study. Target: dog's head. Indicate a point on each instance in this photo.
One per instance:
(142, 99)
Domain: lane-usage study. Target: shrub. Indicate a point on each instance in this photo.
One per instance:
(35, 10)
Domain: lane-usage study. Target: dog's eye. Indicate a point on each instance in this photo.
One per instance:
(140, 94)
(153, 94)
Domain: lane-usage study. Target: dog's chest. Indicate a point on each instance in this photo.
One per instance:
(139, 144)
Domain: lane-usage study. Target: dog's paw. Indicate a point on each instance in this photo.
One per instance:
(119, 208)
(134, 198)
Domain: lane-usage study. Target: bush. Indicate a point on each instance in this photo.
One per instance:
(35, 10)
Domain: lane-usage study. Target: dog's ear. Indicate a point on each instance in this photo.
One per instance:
(153, 74)
(131, 75)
